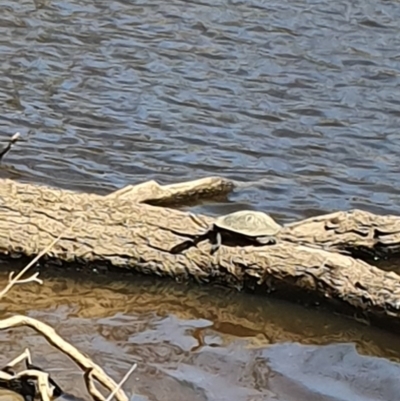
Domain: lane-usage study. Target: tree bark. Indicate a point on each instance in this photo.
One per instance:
(124, 232)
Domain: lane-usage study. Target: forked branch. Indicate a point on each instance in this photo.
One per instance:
(56, 341)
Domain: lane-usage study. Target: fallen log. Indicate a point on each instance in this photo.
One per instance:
(152, 193)
(358, 232)
(115, 232)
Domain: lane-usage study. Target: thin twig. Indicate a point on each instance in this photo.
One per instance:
(198, 221)
(10, 143)
(25, 355)
(121, 383)
(91, 387)
(42, 381)
(33, 278)
(12, 281)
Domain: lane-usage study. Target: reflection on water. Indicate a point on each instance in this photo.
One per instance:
(301, 97)
(198, 344)
(335, 372)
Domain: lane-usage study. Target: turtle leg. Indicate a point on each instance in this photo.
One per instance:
(267, 240)
(183, 246)
(216, 242)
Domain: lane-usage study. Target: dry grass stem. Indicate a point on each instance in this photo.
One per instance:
(56, 341)
(9, 145)
(121, 383)
(34, 278)
(25, 355)
(92, 390)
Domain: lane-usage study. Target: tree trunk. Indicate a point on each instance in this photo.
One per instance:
(121, 231)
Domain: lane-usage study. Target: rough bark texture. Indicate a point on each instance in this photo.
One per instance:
(119, 231)
(355, 231)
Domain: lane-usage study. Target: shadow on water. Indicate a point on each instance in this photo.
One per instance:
(193, 343)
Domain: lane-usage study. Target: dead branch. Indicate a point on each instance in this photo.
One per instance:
(34, 278)
(9, 145)
(91, 387)
(21, 382)
(121, 383)
(56, 341)
(42, 379)
(26, 355)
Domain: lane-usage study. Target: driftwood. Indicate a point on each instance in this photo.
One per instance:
(311, 257)
(153, 193)
(22, 383)
(91, 370)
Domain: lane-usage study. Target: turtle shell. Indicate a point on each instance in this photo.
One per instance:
(248, 222)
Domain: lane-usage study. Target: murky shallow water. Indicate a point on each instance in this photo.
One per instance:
(191, 343)
(298, 99)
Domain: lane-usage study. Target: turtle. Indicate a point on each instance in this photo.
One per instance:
(244, 226)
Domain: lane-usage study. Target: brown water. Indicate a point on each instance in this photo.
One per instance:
(299, 100)
(193, 343)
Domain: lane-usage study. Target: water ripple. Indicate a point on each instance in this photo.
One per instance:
(300, 98)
